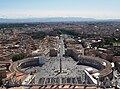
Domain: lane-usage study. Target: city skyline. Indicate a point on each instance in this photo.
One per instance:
(99, 9)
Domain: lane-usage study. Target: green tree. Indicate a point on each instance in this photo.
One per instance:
(18, 57)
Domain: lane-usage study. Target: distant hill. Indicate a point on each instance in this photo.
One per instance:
(53, 19)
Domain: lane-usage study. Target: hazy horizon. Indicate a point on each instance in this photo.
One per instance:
(98, 9)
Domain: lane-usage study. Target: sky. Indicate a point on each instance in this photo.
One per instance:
(100, 9)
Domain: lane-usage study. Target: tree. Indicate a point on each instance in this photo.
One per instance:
(18, 57)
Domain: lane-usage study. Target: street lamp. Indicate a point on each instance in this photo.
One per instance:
(116, 40)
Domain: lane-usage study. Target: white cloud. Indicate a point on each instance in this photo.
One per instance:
(63, 13)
